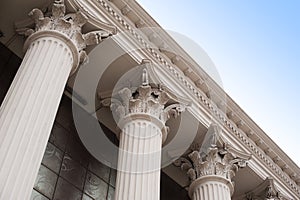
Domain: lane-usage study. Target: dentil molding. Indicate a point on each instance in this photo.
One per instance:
(203, 100)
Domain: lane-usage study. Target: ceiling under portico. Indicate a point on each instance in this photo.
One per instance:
(110, 77)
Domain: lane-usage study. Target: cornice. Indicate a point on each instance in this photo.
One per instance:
(199, 89)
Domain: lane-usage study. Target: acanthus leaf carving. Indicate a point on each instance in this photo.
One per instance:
(218, 159)
(147, 99)
(203, 100)
(68, 24)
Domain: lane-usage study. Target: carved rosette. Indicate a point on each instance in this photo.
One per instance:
(146, 102)
(219, 159)
(57, 21)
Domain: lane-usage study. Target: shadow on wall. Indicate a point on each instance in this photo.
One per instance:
(67, 170)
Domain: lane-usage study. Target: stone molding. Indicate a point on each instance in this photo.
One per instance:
(217, 113)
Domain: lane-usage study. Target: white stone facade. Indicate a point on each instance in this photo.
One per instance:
(237, 160)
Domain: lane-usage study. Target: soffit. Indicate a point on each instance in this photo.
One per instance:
(15, 43)
(262, 141)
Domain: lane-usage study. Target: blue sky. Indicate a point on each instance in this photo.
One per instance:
(255, 46)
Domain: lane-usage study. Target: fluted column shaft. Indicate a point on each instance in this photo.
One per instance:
(139, 161)
(211, 188)
(28, 112)
(142, 115)
(55, 47)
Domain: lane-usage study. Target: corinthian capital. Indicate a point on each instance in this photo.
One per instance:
(67, 24)
(147, 101)
(218, 158)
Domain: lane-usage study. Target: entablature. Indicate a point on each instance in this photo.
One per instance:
(244, 128)
(209, 98)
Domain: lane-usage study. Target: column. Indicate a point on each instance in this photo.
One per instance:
(141, 117)
(211, 188)
(54, 50)
(212, 167)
